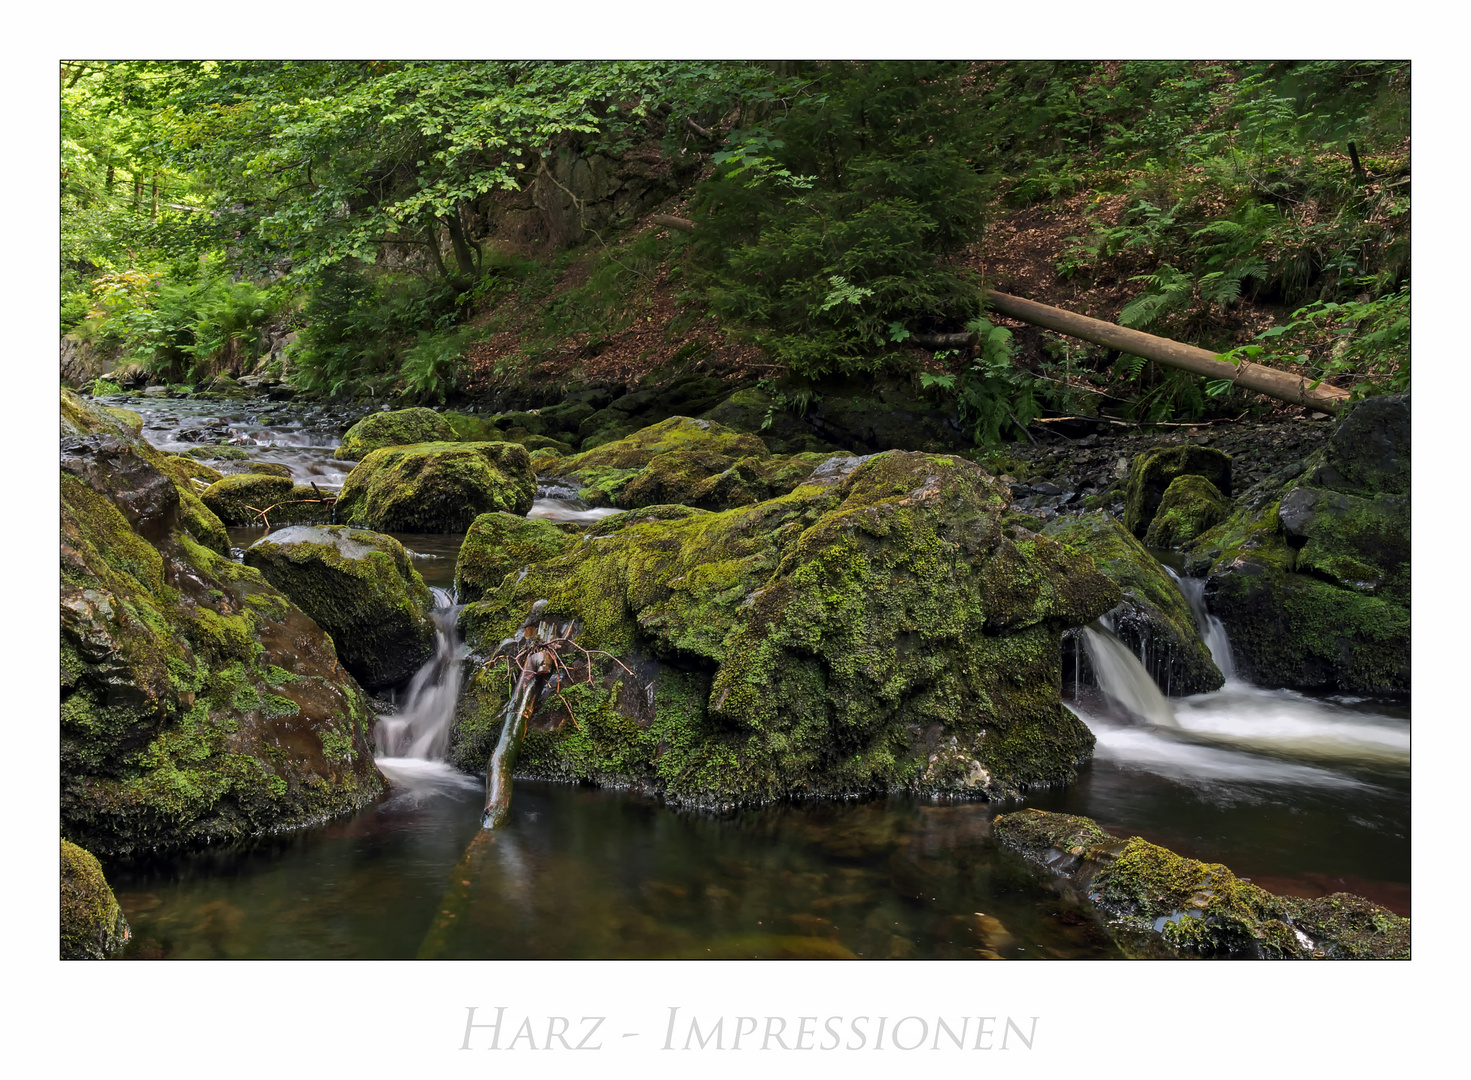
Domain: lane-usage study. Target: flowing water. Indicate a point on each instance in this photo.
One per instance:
(1304, 795)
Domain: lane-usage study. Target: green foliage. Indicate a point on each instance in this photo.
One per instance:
(992, 393)
(1367, 339)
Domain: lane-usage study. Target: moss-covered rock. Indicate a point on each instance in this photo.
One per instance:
(268, 468)
(1190, 506)
(1311, 575)
(400, 427)
(498, 544)
(1162, 904)
(872, 630)
(1153, 612)
(1152, 472)
(92, 924)
(239, 498)
(681, 460)
(359, 586)
(197, 702)
(756, 412)
(437, 486)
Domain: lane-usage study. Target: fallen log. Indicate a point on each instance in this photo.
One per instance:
(1282, 385)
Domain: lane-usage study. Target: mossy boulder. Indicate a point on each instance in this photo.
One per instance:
(756, 412)
(237, 499)
(1152, 472)
(436, 486)
(1311, 574)
(681, 460)
(865, 416)
(1159, 903)
(1153, 612)
(1189, 506)
(400, 427)
(92, 924)
(873, 630)
(198, 704)
(498, 544)
(359, 586)
(268, 468)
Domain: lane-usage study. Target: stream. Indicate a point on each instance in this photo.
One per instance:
(1304, 795)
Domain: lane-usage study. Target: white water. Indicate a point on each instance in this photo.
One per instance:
(1123, 679)
(1211, 629)
(412, 742)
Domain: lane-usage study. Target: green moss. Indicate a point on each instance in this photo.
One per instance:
(92, 924)
(436, 487)
(399, 428)
(869, 632)
(1160, 900)
(1152, 472)
(499, 544)
(1190, 506)
(237, 499)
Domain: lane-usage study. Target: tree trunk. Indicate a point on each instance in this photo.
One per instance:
(155, 197)
(464, 259)
(1282, 385)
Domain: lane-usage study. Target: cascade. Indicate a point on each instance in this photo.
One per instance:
(1212, 631)
(1121, 677)
(420, 730)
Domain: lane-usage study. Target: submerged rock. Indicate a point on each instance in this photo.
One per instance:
(400, 427)
(197, 702)
(499, 544)
(1311, 575)
(1152, 472)
(1153, 612)
(436, 486)
(359, 586)
(873, 630)
(1190, 506)
(92, 924)
(1161, 904)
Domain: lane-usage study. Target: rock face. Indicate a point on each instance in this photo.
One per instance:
(359, 586)
(1153, 612)
(92, 924)
(436, 486)
(1311, 574)
(499, 544)
(690, 462)
(1161, 904)
(875, 629)
(1151, 474)
(398, 428)
(1190, 506)
(197, 703)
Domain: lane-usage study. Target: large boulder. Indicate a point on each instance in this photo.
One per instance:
(1311, 574)
(498, 544)
(397, 428)
(1152, 472)
(359, 586)
(876, 629)
(1153, 618)
(198, 704)
(1159, 904)
(757, 412)
(437, 486)
(1189, 506)
(92, 924)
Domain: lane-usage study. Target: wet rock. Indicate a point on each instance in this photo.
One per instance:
(1161, 904)
(92, 924)
(1311, 575)
(1190, 506)
(400, 427)
(239, 498)
(436, 486)
(1153, 618)
(359, 586)
(197, 703)
(830, 641)
(1152, 472)
(499, 544)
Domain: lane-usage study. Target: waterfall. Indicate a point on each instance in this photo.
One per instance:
(1212, 632)
(1123, 679)
(420, 729)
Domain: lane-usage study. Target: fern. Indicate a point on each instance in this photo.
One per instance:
(1168, 290)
